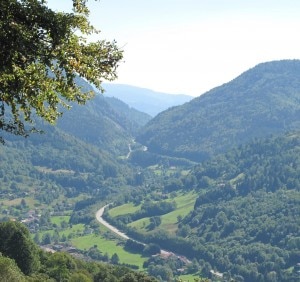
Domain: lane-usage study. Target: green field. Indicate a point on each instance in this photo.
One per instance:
(104, 244)
(110, 247)
(140, 224)
(188, 278)
(76, 230)
(29, 201)
(185, 203)
(160, 170)
(123, 209)
(59, 219)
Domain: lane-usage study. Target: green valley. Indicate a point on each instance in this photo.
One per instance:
(207, 191)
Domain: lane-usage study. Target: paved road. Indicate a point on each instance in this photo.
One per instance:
(99, 217)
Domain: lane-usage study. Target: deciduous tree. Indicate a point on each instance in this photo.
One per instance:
(9, 271)
(41, 53)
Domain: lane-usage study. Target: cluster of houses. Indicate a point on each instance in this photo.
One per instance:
(31, 220)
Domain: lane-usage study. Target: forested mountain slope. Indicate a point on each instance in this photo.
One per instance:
(78, 155)
(59, 159)
(247, 212)
(137, 118)
(262, 101)
(105, 122)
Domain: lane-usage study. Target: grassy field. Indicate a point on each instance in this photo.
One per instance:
(110, 247)
(141, 224)
(106, 244)
(76, 230)
(185, 204)
(59, 219)
(123, 209)
(29, 201)
(159, 170)
(188, 277)
(50, 170)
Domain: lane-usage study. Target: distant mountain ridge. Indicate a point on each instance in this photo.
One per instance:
(144, 100)
(262, 101)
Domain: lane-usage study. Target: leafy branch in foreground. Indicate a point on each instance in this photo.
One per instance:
(41, 53)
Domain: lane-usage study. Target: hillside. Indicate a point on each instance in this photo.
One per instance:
(105, 122)
(247, 209)
(144, 100)
(58, 159)
(102, 124)
(262, 101)
(137, 118)
(82, 155)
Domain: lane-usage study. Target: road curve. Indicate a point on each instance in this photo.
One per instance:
(99, 217)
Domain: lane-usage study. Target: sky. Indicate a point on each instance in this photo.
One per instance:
(191, 46)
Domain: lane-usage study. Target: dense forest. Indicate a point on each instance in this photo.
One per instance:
(249, 209)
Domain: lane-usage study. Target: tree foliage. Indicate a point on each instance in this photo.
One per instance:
(9, 271)
(245, 219)
(42, 51)
(16, 243)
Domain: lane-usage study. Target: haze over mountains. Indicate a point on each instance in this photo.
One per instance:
(261, 101)
(145, 100)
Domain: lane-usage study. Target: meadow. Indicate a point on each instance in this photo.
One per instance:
(169, 222)
(109, 246)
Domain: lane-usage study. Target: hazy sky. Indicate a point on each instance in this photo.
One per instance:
(191, 46)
